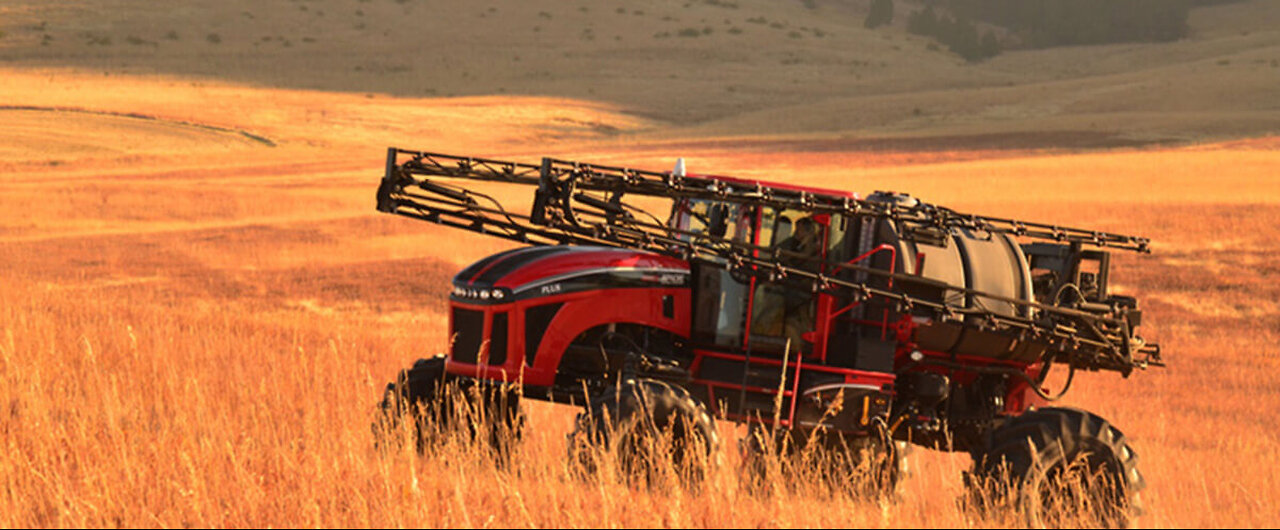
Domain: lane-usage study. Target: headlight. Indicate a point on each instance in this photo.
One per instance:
(470, 293)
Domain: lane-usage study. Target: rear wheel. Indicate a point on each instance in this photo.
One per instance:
(653, 429)
(1058, 467)
(436, 405)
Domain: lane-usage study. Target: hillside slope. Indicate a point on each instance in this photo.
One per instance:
(709, 67)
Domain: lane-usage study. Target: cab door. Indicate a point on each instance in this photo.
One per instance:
(784, 316)
(746, 312)
(720, 298)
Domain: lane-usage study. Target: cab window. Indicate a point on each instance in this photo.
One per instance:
(706, 217)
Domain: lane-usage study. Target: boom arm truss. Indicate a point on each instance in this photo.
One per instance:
(582, 204)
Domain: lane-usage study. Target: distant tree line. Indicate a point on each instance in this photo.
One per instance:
(958, 34)
(1198, 3)
(880, 14)
(1048, 23)
(1045, 23)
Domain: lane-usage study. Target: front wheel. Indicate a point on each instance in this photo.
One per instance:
(436, 405)
(651, 427)
(1058, 467)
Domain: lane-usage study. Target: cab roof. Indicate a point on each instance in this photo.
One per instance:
(751, 183)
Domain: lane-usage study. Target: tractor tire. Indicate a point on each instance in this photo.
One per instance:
(1056, 467)
(415, 395)
(437, 404)
(865, 466)
(652, 428)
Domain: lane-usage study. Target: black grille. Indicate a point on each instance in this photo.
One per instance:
(536, 321)
(468, 333)
(498, 340)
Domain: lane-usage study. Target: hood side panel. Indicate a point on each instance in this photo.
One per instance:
(584, 259)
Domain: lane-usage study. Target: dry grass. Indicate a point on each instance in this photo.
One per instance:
(196, 335)
(225, 374)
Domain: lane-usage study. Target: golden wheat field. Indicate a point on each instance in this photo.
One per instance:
(200, 308)
(198, 335)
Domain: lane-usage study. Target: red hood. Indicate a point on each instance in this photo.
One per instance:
(528, 267)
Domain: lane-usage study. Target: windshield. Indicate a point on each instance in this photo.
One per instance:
(698, 216)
